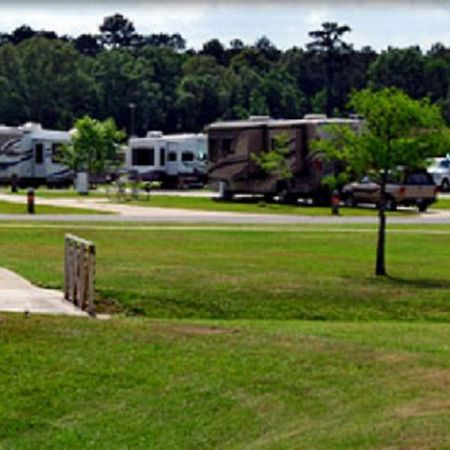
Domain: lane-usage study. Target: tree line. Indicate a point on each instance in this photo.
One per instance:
(56, 79)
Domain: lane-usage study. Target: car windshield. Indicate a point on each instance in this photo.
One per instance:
(444, 164)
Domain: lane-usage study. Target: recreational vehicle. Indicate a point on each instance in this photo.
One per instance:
(235, 170)
(175, 160)
(32, 156)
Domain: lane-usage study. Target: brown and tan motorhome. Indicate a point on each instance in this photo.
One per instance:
(232, 168)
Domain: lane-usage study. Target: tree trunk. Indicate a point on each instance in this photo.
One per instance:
(380, 267)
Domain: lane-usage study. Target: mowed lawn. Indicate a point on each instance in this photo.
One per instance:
(251, 273)
(21, 208)
(142, 384)
(214, 359)
(253, 206)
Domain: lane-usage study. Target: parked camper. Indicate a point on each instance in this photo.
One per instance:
(175, 160)
(31, 155)
(232, 167)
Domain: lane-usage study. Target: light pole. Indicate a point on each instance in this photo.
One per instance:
(132, 107)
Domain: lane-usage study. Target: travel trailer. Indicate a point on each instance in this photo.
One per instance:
(31, 156)
(175, 160)
(233, 169)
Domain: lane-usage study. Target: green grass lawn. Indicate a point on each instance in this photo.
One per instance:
(442, 203)
(140, 384)
(216, 359)
(249, 273)
(21, 208)
(252, 206)
(54, 193)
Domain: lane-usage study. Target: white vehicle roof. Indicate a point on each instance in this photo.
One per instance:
(35, 131)
(51, 135)
(257, 121)
(168, 137)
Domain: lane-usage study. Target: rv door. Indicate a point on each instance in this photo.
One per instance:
(39, 158)
(172, 158)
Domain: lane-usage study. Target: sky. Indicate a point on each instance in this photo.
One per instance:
(286, 23)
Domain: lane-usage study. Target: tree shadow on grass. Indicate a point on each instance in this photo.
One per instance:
(388, 280)
(420, 283)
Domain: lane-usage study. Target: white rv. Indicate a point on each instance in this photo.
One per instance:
(32, 155)
(175, 160)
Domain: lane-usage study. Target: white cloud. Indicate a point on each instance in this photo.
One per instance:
(286, 23)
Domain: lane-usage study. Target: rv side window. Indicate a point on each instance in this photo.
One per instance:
(143, 156)
(172, 156)
(57, 153)
(39, 153)
(162, 156)
(187, 157)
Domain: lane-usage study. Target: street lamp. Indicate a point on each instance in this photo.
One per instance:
(132, 107)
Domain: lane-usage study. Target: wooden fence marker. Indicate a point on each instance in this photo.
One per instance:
(79, 272)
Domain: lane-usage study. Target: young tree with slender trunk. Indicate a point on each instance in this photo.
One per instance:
(396, 131)
(93, 146)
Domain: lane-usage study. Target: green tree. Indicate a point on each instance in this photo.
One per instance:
(277, 95)
(400, 68)
(267, 48)
(203, 94)
(328, 42)
(93, 145)
(215, 49)
(49, 82)
(13, 102)
(275, 161)
(117, 31)
(88, 44)
(397, 131)
(436, 78)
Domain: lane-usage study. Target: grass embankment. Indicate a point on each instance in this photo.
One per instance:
(21, 208)
(287, 273)
(81, 384)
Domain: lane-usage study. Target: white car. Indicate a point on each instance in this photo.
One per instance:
(440, 170)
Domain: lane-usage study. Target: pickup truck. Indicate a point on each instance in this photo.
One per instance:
(413, 189)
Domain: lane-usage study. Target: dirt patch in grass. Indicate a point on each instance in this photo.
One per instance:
(423, 408)
(203, 330)
(440, 377)
(393, 358)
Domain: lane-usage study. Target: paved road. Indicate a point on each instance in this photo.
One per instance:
(196, 217)
(19, 295)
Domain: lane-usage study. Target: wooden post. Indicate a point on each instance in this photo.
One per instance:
(79, 272)
(90, 284)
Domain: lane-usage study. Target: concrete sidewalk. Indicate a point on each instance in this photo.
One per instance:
(19, 295)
